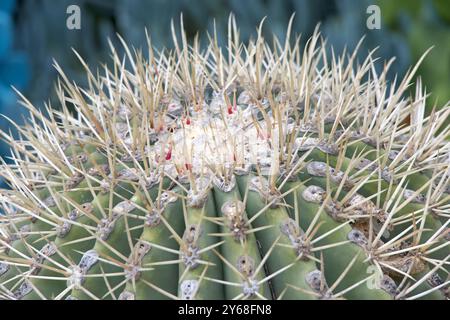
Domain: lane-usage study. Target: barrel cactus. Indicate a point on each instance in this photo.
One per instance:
(254, 171)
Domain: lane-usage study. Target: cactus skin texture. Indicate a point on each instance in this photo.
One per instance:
(254, 173)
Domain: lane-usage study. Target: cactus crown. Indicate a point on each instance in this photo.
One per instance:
(258, 172)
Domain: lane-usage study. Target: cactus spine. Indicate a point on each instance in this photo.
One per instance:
(259, 173)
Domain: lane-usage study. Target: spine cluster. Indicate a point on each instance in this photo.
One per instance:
(254, 171)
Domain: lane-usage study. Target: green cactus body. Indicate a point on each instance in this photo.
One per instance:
(262, 173)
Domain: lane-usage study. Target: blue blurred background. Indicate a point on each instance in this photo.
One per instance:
(34, 32)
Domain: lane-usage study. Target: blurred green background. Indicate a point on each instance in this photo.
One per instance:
(34, 32)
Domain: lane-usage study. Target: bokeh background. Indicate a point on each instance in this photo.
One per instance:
(34, 32)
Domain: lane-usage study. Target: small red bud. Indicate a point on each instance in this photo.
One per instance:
(169, 154)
